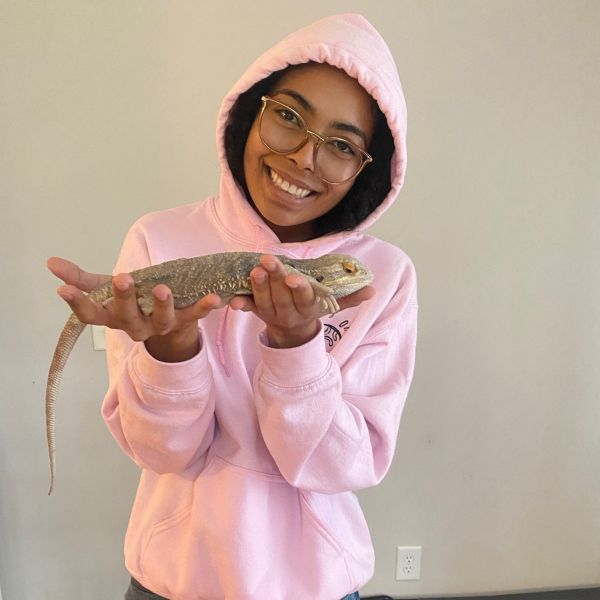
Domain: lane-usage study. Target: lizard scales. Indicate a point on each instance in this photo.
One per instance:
(226, 274)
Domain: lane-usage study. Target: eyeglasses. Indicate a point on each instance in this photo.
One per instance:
(283, 131)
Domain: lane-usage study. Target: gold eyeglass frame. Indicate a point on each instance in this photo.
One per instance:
(366, 158)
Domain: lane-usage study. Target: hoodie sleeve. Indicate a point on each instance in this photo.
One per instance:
(332, 429)
(161, 414)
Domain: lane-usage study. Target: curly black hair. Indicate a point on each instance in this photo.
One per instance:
(370, 187)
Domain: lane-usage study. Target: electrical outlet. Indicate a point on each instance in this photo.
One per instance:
(98, 338)
(408, 563)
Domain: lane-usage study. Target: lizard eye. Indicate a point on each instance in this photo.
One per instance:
(349, 267)
(320, 278)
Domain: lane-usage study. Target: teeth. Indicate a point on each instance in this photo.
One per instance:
(287, 186)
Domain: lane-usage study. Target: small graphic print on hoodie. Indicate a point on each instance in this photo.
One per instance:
(334, 331)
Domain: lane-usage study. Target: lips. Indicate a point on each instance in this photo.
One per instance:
(287, 186)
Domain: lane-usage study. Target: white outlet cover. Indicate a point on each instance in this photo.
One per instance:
(408, 563)
(99, 337)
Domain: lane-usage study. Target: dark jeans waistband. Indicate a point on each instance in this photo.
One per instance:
(137, 591)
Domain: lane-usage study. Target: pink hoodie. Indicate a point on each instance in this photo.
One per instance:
(250, 454)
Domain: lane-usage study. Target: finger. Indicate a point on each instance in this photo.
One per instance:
(275, 270)
(303, 294)
(84, 309)
(163, 303)
(261, 291)
(243, 303)
(281, 295)
(124, 306)
(272, 265)
(163, 311)
(71, 274)
(203, 307)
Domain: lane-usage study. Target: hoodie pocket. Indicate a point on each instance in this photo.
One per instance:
(247, 534)
(176, 561)
(275, 544)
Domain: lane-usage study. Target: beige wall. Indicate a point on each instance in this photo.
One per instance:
(107, 111)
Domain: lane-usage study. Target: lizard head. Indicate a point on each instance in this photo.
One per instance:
(342, 273)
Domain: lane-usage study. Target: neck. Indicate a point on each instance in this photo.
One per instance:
(294, 233)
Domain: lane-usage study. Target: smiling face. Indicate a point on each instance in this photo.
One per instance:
(285, 188)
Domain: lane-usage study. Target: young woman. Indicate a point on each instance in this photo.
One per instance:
(253, 423)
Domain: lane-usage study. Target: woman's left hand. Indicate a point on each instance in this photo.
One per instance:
(287, 303)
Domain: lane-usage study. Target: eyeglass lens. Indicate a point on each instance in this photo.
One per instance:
(283, 130)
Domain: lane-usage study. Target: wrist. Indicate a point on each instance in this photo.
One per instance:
(175, 346)
(280, 337)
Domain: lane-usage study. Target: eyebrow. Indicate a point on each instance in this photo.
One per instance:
(299, 98)
(349, 127)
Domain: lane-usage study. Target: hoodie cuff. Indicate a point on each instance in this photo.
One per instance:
(181, 377)
(291, 367)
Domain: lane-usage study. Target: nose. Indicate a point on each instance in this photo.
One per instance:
(304, 157)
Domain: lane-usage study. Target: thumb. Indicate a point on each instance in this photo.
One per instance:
(72, 274)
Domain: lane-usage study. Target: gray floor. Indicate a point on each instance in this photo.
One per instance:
(587, 594)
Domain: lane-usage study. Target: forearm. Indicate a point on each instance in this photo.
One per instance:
(176, 346)
(279, 337)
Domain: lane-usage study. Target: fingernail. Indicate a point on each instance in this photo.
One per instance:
(66, 295)
(123, 286)
(259, 277)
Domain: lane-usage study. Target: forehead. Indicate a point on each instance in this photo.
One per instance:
(334, 95)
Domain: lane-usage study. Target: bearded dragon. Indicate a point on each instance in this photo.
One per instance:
(226, 274)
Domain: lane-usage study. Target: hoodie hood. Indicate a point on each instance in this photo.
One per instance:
(348, 42)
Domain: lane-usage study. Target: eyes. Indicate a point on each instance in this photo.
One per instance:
(337, 146)
(342, 146)
(348, 267)
(289, 117)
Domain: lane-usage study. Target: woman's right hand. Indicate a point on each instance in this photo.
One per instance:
(170, 335)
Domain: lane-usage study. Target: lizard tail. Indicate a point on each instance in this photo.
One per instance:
(69, 335)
